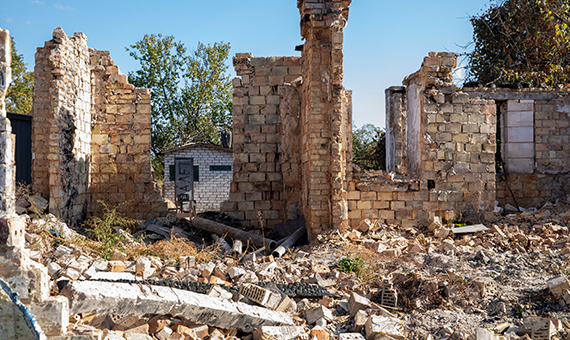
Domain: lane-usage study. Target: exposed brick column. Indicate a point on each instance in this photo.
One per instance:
(61, 129)
(323, 114)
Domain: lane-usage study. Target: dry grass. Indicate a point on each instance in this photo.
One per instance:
(174, 248)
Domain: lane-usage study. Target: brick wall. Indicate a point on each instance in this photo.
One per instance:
(213, 187)
(91, 133)
(326, 115)
(61, 129)
(120, 143)
(451, 143)
(263, 96)
(542, 117)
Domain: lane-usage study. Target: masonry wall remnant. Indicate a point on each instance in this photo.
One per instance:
(91, 133)
(26, 277)
(266, 121)
(291, 128)
(534, 144)
(441, 142)
(7, 140)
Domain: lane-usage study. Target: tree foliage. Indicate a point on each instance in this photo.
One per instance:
(19, 95)
(191, 98)
(518, 41)
(369, 147)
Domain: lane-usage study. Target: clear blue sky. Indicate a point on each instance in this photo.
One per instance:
(384, 40)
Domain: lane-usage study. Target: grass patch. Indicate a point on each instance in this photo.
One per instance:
(351, 264)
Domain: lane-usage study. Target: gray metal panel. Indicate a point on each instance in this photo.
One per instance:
(184, 179)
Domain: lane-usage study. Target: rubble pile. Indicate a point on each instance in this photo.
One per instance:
(502, 280)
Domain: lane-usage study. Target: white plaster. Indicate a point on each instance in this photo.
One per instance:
(413, 128)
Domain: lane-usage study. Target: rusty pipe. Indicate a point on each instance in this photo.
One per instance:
(233, 233)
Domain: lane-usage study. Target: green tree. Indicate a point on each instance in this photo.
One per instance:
(521, 41)
(19, 95)
(369, 147)
(191, 98)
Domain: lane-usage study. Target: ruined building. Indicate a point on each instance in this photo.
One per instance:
(292, 140)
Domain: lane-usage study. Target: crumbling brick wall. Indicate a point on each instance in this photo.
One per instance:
(326, 115)
(120, 143)
(91, 133)
(61, 128)
(292, 128)
(267, 175)
(544, 147)
(451, 143)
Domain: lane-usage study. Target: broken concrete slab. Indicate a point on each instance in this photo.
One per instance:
(125, 298)
(476, 228)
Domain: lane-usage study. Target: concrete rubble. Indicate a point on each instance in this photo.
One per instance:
(509, 281)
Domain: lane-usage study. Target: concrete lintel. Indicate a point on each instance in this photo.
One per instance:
(134, 299)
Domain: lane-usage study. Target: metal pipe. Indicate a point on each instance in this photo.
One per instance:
(289, 241)
(236, 234)
(237, 247)
(219, 240)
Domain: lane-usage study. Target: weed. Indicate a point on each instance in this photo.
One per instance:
(105, 229)
(520, 310)
(351, 264)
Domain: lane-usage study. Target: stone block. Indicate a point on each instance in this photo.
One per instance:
(51, 314)
(357, 302)
(384, 325)
(314, 314)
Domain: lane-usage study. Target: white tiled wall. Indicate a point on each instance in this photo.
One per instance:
(213, 187)
(518, 144)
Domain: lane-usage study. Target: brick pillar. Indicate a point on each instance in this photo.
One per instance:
(323, 153)
(7, 168)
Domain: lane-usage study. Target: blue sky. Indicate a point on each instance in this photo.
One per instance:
(384, 40)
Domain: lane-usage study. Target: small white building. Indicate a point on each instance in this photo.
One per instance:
(210, 168)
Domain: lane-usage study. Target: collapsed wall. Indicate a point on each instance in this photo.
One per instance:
(91, 133)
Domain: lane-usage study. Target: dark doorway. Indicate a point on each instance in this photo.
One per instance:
(22, 128)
